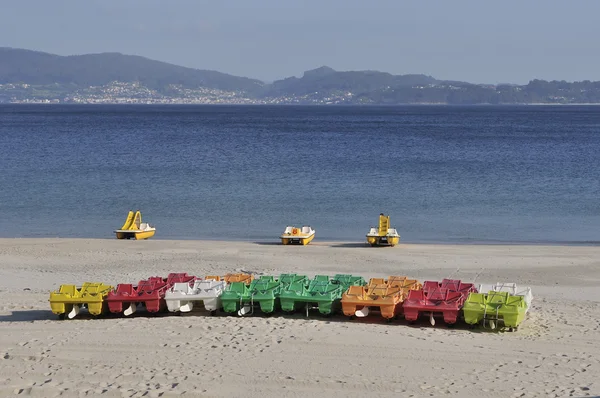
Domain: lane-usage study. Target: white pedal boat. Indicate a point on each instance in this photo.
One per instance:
(293, 235)
(181, 297)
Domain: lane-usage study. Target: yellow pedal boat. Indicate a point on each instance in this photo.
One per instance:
(134, 228)
(383, 235)
(301, 236)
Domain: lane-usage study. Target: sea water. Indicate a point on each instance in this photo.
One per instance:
(456, 174)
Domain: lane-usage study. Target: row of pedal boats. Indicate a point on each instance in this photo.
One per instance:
(382, 235)
(497, 306)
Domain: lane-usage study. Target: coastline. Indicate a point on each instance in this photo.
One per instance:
(554, 352)
(268, 104)
(333, 241)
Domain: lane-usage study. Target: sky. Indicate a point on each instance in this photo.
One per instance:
(479, 41)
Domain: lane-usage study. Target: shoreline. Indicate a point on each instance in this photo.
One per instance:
(333, 242)
(267, 104)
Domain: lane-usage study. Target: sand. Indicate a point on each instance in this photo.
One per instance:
(556, 351)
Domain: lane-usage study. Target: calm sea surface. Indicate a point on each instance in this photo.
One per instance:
(444, 174)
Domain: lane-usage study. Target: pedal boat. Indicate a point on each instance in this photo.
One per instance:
(383, 235)
(385, 295)
(299, 236)
(503, 307)
(67, 301)
(445, 298)
(134, 228)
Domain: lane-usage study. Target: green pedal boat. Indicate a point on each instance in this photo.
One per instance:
(495, 309)
(262, 293)
(322, 292)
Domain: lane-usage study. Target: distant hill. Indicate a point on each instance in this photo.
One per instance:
(33, 76)
(325, 80)
(39, 68)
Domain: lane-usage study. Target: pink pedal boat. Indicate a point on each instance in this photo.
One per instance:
(446, 298)
(150, 292)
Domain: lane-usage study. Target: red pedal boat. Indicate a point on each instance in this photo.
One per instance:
(446, 298)
(150, 292)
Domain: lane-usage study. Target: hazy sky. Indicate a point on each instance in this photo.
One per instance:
(479, 41)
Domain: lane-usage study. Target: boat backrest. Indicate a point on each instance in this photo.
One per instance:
(510, 288)
(323, 285)
(412, 284)
(150, 284)
(355, 291)
(237, 287)
(286, 279)
(298, 287)
(376, 281)
(182, 287)
(396, 281)
(321, 278)
(392, 231)
(497, 297)
(306, 229)
(265, 282)
(209, 284)
(69, 290)
(373, 231)
(288, 229)
(382, 290)
(452, 296)
(438, 294)
(125, 289)
(516, 301)
(347, 280)
(451, 284)
(176, 277)
(499, 287)
(94, 288)
(429, 286)
(416, 295)
(476, 298)
(246, 278)
(466, 288)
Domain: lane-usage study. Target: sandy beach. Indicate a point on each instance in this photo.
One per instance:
(555, 352)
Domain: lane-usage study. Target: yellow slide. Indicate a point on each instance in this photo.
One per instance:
(134, 228)
(129, 221)
(384, 224)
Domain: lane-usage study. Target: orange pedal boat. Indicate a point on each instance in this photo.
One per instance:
(387, 295)
(241, 277)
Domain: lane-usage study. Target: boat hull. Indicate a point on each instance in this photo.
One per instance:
(383, 240)
(297, 239)
(494, 307)
(137, 235)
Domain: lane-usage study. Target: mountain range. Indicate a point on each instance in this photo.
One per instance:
(33, 76)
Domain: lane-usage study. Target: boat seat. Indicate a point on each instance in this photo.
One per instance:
(69, 290)
(451, 284)
(376, 281)
(416, 295)
(430, 286)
